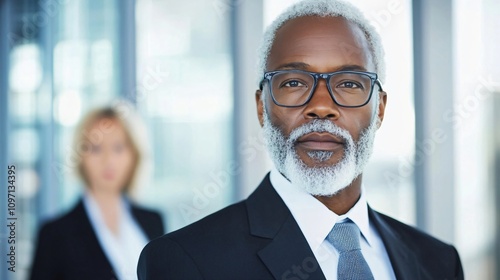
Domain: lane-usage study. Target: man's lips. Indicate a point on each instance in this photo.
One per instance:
(320, 141)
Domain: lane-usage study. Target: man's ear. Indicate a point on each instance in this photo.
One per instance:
(382, 101)
(260, 106)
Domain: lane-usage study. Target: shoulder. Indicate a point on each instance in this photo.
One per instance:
(221, 223)
(163, 256)
(54, 237)
(178, 253)
(414, 236)
(207, 233)
(144, 212)
(61, 224)
(434, 256)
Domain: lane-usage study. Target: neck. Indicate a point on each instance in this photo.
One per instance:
(109, 205)
(107, 200)
(344, 200)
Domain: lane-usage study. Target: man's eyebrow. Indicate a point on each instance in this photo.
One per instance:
(293, 65)
(352, 67)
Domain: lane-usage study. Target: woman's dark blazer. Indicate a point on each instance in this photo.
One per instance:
(68, 248)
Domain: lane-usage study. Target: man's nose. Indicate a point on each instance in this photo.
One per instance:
(321, 104)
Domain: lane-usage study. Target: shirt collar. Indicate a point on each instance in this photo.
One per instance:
(313, 217)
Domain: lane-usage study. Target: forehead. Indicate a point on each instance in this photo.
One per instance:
(107, 130)
(325, 44)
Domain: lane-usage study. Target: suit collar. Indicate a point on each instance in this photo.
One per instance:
(266, 210)
(403, 261)
(288, 254)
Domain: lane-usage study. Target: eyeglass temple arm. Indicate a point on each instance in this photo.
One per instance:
(377, 81)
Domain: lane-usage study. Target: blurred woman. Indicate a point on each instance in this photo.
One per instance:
(103, 235)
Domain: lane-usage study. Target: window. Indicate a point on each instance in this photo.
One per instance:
(184, 77)
(62, 63)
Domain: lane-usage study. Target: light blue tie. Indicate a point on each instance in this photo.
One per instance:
(352, 266)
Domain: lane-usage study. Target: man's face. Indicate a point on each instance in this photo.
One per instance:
(320, 136)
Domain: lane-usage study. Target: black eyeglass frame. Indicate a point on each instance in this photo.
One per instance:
(269, 75)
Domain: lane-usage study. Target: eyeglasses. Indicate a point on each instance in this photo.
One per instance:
(294, 88)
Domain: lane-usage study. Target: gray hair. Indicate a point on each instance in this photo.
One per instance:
(324, 8)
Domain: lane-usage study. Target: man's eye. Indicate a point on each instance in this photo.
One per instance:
(349, 84)
(293, 84)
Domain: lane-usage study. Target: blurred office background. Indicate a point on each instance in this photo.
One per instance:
(188, 67)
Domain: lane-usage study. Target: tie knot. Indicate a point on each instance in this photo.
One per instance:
(344, 237)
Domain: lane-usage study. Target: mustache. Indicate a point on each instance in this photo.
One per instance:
(319, 126)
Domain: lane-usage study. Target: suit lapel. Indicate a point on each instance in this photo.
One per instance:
(86, 236)
(403, 261)
(288, 254)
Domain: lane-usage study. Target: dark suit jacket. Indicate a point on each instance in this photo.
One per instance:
(259, 239)
(68, 247)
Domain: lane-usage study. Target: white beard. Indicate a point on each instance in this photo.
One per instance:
(323, 180)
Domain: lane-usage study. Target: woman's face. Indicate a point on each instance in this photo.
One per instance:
(109, 160)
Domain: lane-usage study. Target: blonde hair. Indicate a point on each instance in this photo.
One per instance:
(124, 113)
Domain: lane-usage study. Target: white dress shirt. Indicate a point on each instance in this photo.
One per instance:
(316, 221)
(123, 250)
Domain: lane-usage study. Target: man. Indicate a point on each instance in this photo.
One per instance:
(320, 103)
